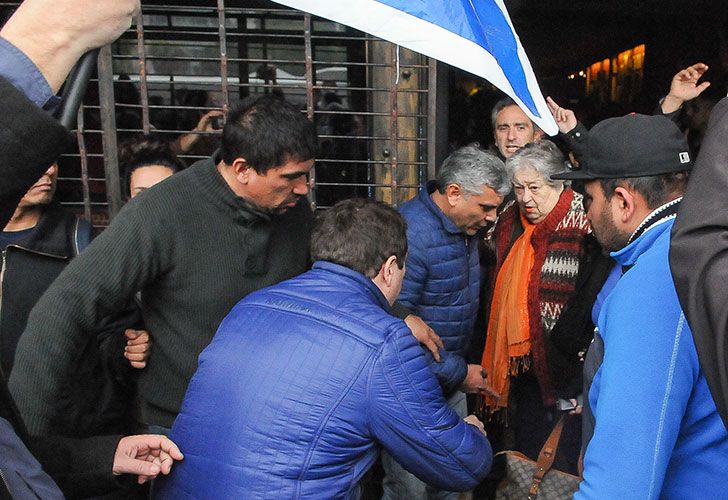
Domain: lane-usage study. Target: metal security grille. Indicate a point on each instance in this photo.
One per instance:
(369, 99)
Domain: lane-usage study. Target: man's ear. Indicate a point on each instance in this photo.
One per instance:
(625, 201)
(537, 133)
(242, 170)
(453, 193)
(387, 271)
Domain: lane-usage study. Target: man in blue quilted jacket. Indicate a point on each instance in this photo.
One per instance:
(442, 283)
(307, 380)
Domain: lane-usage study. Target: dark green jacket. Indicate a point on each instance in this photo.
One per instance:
(194, 249)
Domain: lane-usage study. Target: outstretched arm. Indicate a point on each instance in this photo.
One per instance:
(410, 418)
(684, 86)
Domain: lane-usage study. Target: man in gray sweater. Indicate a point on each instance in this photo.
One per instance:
(194, 245)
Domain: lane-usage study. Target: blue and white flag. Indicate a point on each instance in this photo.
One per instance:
(474, 35)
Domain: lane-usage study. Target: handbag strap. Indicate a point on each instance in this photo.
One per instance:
(546, 457)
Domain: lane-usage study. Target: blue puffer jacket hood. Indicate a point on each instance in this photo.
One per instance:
(302, 384)
(442, 283)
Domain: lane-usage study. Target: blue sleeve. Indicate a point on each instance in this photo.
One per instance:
(638, 397)
(411, 419)
(450, 371)
(452, 368)
(19, 70)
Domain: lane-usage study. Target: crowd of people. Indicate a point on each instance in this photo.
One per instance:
(220, 339)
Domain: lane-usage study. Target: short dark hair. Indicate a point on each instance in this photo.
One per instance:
(360, 234)
(500, 106)
(656, 189)
(143, 152)
(267, 132)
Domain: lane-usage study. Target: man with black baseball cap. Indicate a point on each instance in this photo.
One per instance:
(657, 433)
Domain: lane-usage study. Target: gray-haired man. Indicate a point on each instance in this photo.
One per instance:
(442, 282)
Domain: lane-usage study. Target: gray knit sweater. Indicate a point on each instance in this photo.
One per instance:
(194, 249)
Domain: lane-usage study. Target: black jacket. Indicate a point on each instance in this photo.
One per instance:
(101, 387)
(699, 256)
(30, 266)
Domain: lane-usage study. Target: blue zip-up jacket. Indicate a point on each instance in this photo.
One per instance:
(302, 384)
(658, 433)
(442, 282)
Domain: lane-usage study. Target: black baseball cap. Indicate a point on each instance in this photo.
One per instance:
(632, 146)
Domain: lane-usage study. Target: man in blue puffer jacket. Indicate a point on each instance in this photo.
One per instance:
(306, 380)
(442, 283)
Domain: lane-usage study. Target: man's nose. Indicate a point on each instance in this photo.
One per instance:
(301, 186)
(511, 134)
(52, 169)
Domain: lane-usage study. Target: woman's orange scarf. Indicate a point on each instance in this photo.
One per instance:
(508, 342)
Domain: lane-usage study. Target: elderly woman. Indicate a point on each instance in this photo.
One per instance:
(539, 244)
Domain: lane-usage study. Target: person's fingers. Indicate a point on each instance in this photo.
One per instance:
(489, 391)
(138, 467)
(135, 349)
(165, 462)
(699, 89)
(432, 347)
(135, 356)
(168, 446)
(139, 357)
(439, 342)
(435, 338)
(700, 68)
(132, 334)
(141, 337)
(553, 107)
(475, 422)
(137, 361)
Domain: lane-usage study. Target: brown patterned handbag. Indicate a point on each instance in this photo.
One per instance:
(526, 479)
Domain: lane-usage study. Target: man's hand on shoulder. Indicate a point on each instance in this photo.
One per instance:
(425, 335)
(145, 455)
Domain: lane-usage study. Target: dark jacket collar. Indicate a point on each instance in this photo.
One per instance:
(650, 230)
(357, 277)
(214, 187)
(660, 214)
(54, 235)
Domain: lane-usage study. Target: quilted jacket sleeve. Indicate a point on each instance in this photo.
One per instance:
(451, 369)
(410, 418)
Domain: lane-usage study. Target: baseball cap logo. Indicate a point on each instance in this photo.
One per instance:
(684, 157)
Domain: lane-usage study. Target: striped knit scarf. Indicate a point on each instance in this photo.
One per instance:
(558, 247)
